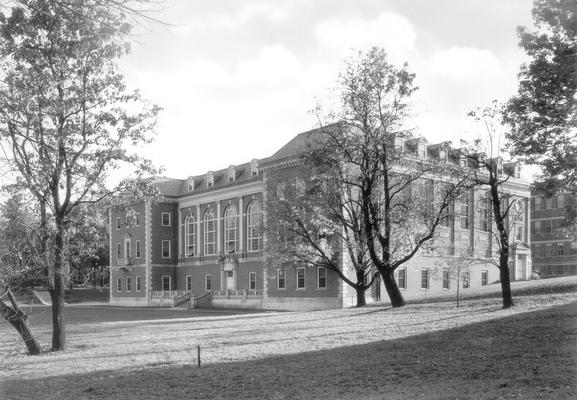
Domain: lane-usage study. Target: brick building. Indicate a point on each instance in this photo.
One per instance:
(553, 254)
(205, 238)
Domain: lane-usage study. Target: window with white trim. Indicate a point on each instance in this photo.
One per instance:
(137, 283)
(484, 213)
(402, 278)
(165, 219)
(253, 217)
(252, 280)
(137, 219)
(190, 184)
(465, 211)
(321, 277)
(209, 232)
(210, 179)
(560, 249)
(189, 235)
(189, 283)
(425, 278)
(166, 249)
(466, 279)
(484, 278)
(301, 280)
(254, 168)
(128, 284)
(446, 280)
(230, 229)
(231, 174)
(118, 251)
(166, 283)
(119, 284)
(208, 283)
(282, 278)
(138, 249)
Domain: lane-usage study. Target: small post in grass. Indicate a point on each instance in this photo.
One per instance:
(198, 355)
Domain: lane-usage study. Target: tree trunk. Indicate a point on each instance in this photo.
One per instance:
(361, 301)
(19, 320)
(393, 291)
(505, 281)
(57, 291)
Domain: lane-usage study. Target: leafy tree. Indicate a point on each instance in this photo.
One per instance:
(318, 222)
(403, 194)
(66, 117)
(543, 114)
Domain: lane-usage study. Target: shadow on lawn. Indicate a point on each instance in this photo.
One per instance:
(528, 355)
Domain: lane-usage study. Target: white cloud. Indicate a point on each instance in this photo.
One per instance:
(391, 31)
(465, 64)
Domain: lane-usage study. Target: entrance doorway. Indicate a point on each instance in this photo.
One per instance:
(230, 281)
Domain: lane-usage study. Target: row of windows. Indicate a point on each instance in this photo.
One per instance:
(128, 283)
(300, 275)
(552, 250)
(128, 249)
(546, 226)
(401, 277)
(231, 235)
(542, 203)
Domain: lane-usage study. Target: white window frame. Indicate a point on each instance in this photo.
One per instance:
(118, 284)
(168, 244)
(404, 271)
(425, 278)
(304, 278)
(189, 235)
(190, 185)
(446, 279)
(209, 244)
(466, 279)
(319, 269)
(210, 180)
(169, 283)
(137, 283)
(128, 284)
(137, 219)
(138, 249)
(560, 249)
(484, 277)
(162, 218)
(253, 220)
(208, 282)
(283, 287)
(118, 251)
(231, 174)
(252, 280)
(230, 230)
(188, 283)
(127, 248)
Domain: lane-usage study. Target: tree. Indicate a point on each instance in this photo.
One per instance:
(319, 223)
(67, 118)
(404, 196)
(543, 114)
(488, 172)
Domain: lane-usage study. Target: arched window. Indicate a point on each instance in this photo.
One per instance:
(209, 233)
(230, 229)
(189, 235)
(253, 216)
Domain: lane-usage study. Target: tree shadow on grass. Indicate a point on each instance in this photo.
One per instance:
(528, 355)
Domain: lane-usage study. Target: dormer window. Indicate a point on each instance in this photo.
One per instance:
(231, 173)
(422, 150)
(210, 179)
(190, 184)
(254, 167)
(399, 144)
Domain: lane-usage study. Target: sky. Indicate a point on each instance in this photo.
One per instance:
(237, 79)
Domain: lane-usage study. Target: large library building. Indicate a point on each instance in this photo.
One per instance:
(204, 243)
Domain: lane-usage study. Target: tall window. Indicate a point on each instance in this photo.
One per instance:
(402, 278)
(117, 222)
(208, 283)
(321, 277)
(166, 283)
(282, 278)
(128, 284)
(230, 229)
(138, 249)
(127, 248)
(253, 216)
(561, 201)
(209, 233)
(189, 235)
(560, 249)
(466, 279)
(189, 282)
(484, 278)
(165, 219)
(252, 280)
(300, 277)
(119, 284)
(166, 249)
(137, 283)
(118, 251)
(425, 278)
(484, 213)
(446, 281)
(465, 211)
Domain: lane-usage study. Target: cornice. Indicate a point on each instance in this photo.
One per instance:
(219, 194)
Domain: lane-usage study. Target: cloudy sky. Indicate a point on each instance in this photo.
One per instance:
(237, 78)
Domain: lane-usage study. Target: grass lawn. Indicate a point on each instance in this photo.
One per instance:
(422, 351)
